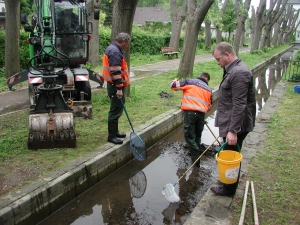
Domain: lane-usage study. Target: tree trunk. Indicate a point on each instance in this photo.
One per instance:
(196, 16)
(242, 15)
(271, 17)
(94, 55)
(291, 26)
(283, 29)
(12, 38)
(207, 34)
(218, 35)
(252, 25)
(259, 24)
(276, 30)
(218, 30)
(280, 26)
(123, 14)
(178, 16)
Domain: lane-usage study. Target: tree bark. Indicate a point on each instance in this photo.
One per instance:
(242, 15)
(94, 55)
(252, 26)
(123, 14)
(285, 19)
(291, 26)
(207, 34)
(273, 13)
(276, 30)
(178, 16)
(218, 30)
(218, 34)
(196, 15)
(283, 28)
(12, 38)
(259, 24)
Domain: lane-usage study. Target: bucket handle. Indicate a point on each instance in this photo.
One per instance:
(224, 144)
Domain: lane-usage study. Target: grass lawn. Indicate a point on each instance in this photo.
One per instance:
(274, 170)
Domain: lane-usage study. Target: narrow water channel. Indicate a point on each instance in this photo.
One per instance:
(133, 194)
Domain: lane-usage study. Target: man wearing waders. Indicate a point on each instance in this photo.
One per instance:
(196, 101)
(236, 109)
(115, 72)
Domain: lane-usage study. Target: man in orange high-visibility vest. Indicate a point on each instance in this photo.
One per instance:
(196, 101)
(115, 72)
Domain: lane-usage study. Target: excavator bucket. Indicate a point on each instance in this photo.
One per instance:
(49, 130)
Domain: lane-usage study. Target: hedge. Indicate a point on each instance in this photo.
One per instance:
(141, 42)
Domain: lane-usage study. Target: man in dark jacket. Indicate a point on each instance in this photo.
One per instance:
(236, 109)
(115, 72)
(196, 101)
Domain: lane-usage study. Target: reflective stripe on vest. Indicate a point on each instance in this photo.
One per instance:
(106, 72)
(196, 99)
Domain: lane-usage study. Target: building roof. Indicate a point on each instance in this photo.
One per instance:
(156, 13)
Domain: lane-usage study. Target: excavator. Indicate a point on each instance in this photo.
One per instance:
(58, 83)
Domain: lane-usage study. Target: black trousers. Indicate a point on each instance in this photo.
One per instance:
(116, 108)
(240, 138)
(193, 124)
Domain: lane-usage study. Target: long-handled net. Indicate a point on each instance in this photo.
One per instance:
(136, 145)
(169, 190)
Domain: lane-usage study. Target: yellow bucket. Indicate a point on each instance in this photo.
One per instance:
(228, 164)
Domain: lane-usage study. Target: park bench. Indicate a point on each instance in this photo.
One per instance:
(169, 51)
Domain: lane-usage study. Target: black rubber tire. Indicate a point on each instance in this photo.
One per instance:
(85, 87)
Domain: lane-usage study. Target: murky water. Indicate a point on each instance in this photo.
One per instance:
(112, 201)
(133, 194)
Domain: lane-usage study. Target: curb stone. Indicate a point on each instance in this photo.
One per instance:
(215, 210)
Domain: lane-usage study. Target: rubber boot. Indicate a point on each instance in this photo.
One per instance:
(118, 134)
(112, 134)
(195, 154)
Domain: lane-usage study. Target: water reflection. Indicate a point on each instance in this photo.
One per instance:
(133, 194)
(266, 80)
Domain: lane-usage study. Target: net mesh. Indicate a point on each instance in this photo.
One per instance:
(137, 147)
(138, 184)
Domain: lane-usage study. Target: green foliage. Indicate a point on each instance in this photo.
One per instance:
(154, 43)
(24, 50)
(294, 78)
(26, 6)
(2, 47)
(266, 49)
(150, 3)
(157, 27)
(24, 53)
(107, 8)
(297, 56)
(3, 85)
(143, 42)
(229, 17)
(257, 52)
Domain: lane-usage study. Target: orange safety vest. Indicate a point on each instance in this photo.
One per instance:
(110, 73)
(195, 98)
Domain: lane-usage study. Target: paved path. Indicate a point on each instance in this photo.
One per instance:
(18, 99)
(174, 63)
